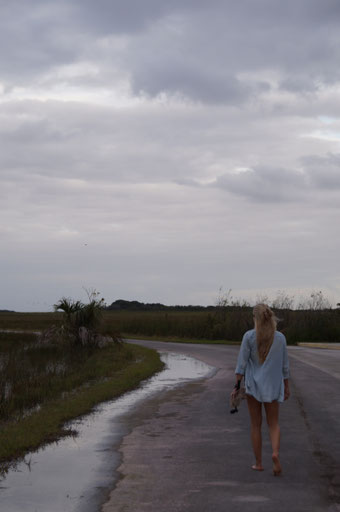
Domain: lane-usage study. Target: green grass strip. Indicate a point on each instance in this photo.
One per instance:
(46, 425)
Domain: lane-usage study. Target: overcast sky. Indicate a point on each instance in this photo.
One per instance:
(159, 150)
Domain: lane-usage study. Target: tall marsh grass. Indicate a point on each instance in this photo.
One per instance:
(42, 387)
(29, 321)
(33, 373)
(228, 324)
(221, 323)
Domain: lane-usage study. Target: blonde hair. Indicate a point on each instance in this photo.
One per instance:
(265, 325)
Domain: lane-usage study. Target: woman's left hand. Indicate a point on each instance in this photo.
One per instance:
(233, 393)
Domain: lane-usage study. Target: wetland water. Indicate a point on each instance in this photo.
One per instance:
(77, 473)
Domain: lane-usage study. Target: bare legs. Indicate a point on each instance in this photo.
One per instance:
(272, 415)
(255, 412)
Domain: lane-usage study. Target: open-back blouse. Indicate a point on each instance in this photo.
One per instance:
(264, 381)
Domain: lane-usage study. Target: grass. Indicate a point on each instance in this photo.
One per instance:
(28, 321)
(32, 373)
(87, 379)
(201, 326)
(223, 325)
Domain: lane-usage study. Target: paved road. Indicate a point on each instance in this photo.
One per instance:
(186, 452)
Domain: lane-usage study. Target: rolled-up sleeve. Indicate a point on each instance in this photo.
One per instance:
(243, 356)
(285, 366)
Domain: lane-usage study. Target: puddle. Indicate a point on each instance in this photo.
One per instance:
(76, 474)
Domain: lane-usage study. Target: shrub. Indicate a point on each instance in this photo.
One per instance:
(81, 322)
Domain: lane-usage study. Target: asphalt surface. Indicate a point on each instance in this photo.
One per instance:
(186, 452)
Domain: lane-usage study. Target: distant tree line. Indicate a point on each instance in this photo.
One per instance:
(316, 301)
(313, 318)
(135, 305)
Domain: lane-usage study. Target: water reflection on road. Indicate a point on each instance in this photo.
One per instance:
(76, 474)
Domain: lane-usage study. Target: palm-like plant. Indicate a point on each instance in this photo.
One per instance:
(68, 306)
(79, 315)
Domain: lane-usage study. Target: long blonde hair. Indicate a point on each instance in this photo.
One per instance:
(265, 325)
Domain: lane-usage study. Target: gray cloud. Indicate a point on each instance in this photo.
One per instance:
(32, 37)
(265, 184)
(284, 185)
(324, 171)
(193, 48)
(234, 39)
(297, 84)
(194, 83)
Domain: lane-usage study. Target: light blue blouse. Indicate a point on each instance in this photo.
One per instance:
(264, 381)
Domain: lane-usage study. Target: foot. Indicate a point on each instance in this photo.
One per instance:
(257, 467)
(277, 470)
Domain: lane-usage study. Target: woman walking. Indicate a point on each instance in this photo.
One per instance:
(263, 362)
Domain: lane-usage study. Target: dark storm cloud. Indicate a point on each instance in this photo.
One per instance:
(130, 16)
(192, 48)
(38, 34)
(193, 83)
(299, 41)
